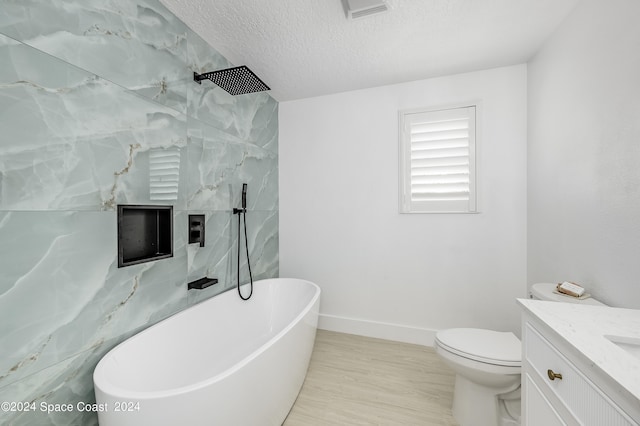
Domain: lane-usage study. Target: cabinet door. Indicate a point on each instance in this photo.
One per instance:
(538, 410)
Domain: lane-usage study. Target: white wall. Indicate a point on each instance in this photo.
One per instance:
(584, 153)
(401, 276)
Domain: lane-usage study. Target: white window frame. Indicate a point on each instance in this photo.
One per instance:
(463, 204)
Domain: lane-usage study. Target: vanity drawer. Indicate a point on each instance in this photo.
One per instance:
(578, 394)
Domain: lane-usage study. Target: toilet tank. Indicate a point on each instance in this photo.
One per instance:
(547, 291)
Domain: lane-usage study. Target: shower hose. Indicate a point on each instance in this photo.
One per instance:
(243, 212)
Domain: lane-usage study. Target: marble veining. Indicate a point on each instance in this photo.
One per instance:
(585, 326)
(78, 134)
(138, 45)
(88, 89)
(224, 164)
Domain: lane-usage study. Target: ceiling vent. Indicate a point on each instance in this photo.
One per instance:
(360, 8)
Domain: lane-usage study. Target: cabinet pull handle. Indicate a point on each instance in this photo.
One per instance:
(553, 376)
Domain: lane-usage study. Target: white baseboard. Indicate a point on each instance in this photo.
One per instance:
(380, 330)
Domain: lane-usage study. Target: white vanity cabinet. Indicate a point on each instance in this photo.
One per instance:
(561, 385)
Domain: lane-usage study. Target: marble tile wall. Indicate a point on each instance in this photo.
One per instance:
(87, 89)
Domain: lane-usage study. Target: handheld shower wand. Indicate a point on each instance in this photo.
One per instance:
(244, 201)
(244, 197)
(243, 211)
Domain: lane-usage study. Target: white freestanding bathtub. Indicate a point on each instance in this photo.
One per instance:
(223, 362)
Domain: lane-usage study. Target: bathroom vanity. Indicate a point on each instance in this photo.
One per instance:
(580, 364)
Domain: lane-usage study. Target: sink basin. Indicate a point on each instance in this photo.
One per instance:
(630, 344)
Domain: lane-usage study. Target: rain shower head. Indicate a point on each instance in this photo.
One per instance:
(235, 81)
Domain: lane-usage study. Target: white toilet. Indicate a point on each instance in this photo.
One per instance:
(487, 365)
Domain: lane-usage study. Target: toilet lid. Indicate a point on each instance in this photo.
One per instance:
(492, 347)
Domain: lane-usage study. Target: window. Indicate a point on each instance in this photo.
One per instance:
(437, 160)
(164, 173)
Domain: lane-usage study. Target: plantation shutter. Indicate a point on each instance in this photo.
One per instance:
(438, 153)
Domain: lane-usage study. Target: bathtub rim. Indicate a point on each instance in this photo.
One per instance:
(112, 390)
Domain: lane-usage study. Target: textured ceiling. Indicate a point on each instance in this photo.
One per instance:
(305, 48)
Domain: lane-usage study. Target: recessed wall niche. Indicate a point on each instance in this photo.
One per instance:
(145, 233)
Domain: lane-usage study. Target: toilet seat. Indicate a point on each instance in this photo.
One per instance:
(486, 346)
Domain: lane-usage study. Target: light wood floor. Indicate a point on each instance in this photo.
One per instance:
(354, 380)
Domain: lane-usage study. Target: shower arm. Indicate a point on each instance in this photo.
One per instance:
(199, 77)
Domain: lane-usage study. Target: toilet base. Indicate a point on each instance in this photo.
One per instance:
(477, 405)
